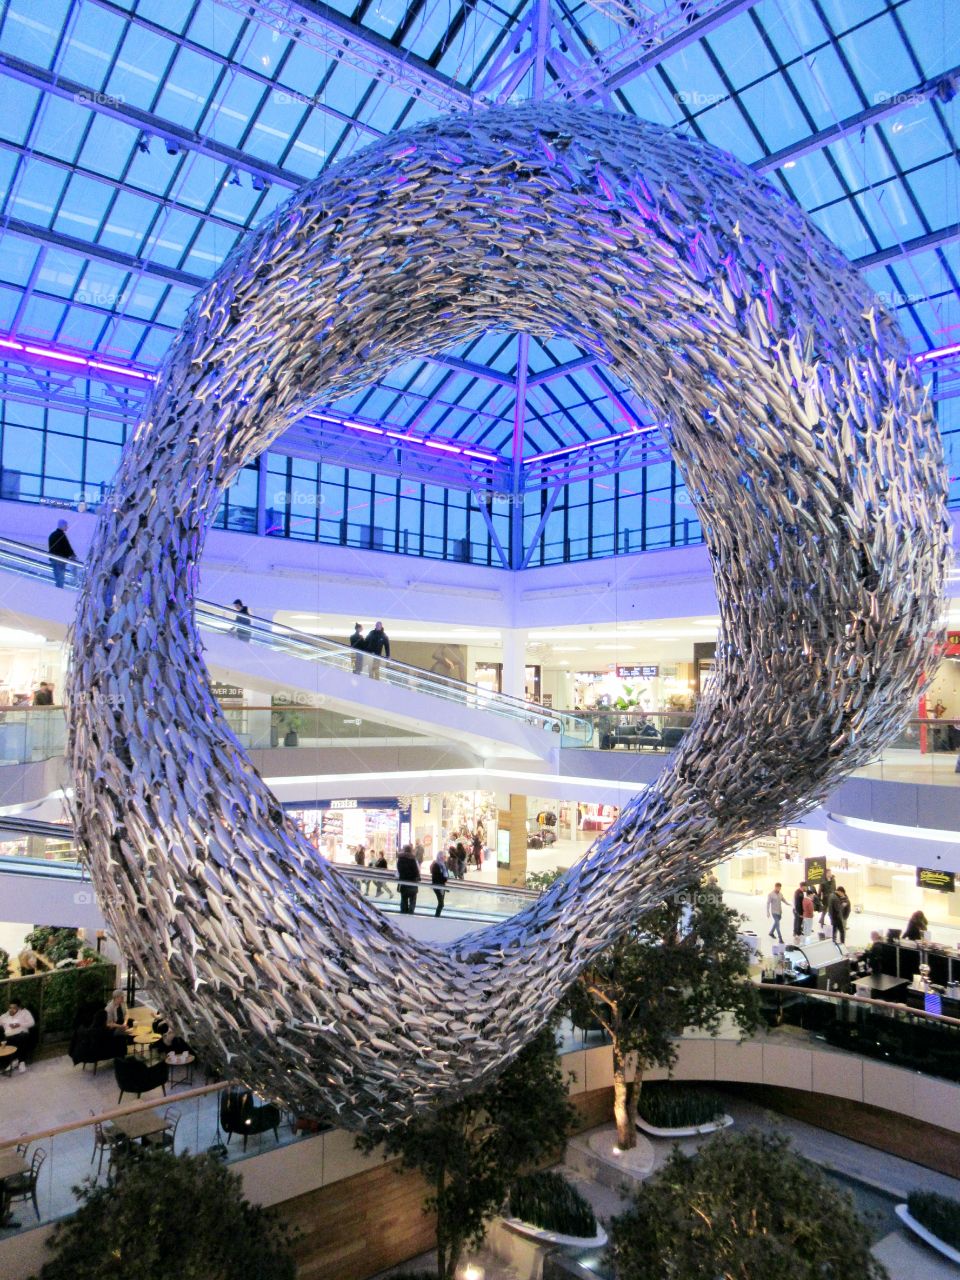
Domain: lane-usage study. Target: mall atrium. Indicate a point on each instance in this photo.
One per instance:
(524, 433)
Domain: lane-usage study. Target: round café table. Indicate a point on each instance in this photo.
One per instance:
(8, 1053)
(145, 1040)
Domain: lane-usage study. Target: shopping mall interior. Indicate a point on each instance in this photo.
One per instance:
(340, 525)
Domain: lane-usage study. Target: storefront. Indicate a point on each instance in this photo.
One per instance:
(337, 828)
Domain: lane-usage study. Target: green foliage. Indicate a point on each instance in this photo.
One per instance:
(542, 880)
(683, 966)
(167, 1215)
(745, 1206)
(55, 997)
(671, 1106)
(4, 964)
(471, 1151)
(938, 1214)
(55, 943)
(547, 1200)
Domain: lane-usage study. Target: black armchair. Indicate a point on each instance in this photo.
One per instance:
(95, 1042)
(241, 1113)
(136, 1076)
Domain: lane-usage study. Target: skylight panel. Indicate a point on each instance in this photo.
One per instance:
(215, 27)
(91, 41)
(172, 14)
(17, 105)
(140, 67)
(915, 135)
(41, 317)
(931, 26)
(262, 49)
(312, 142)
(81, 328)
(107, 146)
(741, 50)
(824, 87)
(59, 129)
(186, 88)
(231, 109)
(31, 31)
(168, 241)
(84, 202)
(123, 338)
(879, 59)
(891, 214)
(209, 248)
(775, 112)
(129, 220)
(844, 228)
(9, 302)
(346, 88)
(813, 180)
(725, 126)
(59, 272)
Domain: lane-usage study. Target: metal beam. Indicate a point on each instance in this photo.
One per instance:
(101, 253)
(519, 426)
(560, 370)
(482, 499)
(124, 112)
(880, 111)
(474, 370)
(693, 31)
(555, 492)
(932, 240)
(321, 27)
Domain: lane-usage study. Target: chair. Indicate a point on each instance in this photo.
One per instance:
(136, 1076)
(102, 1142)
(239, 1113)
(167, 1136)
(95, 1042)
(23, 1186)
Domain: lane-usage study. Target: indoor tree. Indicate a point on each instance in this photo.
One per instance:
(746, 1205)
(470, 1152)
(682, 966)
(167, 1215)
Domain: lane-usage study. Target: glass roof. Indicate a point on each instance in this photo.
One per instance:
(139, 139)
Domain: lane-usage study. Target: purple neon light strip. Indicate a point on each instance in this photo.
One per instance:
(46, 352)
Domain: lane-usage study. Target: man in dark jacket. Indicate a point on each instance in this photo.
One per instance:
(358, 645)
(58, 545)
(439, 875)
(377, 643)
(241, 620)
(408, 869)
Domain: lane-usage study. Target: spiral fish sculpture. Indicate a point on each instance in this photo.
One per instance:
(808, 450)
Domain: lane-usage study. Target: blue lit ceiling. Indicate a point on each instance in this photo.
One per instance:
(140, 138)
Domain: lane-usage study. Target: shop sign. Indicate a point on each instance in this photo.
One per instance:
(931, 878)
(953, 644)
(343, 804)
(638, 673)
(814, 870)
(226, 691)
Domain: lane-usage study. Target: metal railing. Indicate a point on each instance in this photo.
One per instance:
(895, 1033)
(28, 847)
(572, 730)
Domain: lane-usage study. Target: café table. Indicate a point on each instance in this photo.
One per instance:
(7, 1055)
(185, 1061)
(144, 1040)
(139, 1124)
(12, 1163)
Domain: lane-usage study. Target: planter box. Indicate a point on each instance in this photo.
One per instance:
(556, 1238)
(918, 1229)
(693, 1131)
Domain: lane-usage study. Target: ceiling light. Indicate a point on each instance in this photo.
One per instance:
(790, 164)
(258, 183)
(173, 148)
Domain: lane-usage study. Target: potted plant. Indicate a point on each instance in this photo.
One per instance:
(677, 1111)
(935, 1219)
(547, 1208)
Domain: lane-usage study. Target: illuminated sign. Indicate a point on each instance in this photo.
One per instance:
(638, 673)
(930, 878)
(814, 870)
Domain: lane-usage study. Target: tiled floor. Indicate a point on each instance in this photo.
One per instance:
(53, 1092)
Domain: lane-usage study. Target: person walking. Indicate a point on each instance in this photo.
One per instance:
(418, 853)
(43, 695)
(358, 645)
(775, 904)
(798, 910)
(58, 546)
(241, 620)
(828, 887)
(382, 887)
(408, 873)
(377, 644)
(839, 910)
(476, 851)
(808, 912)
(439, 875)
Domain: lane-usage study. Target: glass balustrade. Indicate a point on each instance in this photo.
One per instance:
(894, 1033)
(571, 730)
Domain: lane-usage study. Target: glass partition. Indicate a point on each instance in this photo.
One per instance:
(571, 730)
(894, 1033)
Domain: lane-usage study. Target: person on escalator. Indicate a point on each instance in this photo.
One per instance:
(358, 645)
(377, 644)
(59, 549)
(241, 620)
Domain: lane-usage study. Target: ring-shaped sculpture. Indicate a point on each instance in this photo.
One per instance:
(808, 451)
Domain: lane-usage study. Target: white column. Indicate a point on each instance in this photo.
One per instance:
(514, 657)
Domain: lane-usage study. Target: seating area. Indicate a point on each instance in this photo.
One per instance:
(240, 1113)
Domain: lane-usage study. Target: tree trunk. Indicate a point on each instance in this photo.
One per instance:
(624, 1102)
(449, 1249)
